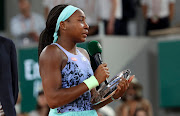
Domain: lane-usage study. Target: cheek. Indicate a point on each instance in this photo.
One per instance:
(76, 30)
(82, 25)
(79, 26)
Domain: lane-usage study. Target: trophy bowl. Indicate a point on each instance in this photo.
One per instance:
(107, 90)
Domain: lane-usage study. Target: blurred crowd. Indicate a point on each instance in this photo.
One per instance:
(41, 109)
(108, 17)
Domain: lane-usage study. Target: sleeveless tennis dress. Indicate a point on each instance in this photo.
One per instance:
(77, 69)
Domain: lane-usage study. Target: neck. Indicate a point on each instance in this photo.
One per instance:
(26, 14)
(67, 44)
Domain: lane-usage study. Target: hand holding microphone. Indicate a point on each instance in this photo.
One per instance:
(102, 72)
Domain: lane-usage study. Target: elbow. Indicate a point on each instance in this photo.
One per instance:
(53, 104)
(55, 100)
(52, 100)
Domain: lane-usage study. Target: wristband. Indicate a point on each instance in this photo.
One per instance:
(91, 82)
(115, 99)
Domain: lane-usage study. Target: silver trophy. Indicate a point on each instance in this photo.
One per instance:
(107, 90)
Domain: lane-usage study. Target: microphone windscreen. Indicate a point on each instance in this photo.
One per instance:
(94, 47)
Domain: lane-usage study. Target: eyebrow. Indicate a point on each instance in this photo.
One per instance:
(83, 17)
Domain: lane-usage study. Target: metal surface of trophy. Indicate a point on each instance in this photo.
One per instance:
(107, 90)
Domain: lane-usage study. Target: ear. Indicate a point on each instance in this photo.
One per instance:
(63, 25)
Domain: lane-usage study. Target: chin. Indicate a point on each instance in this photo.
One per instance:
(82, 40)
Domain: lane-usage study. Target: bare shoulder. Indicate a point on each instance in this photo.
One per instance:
(84, 52)
(50, 53)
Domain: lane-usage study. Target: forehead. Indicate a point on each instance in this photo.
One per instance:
(78, 13)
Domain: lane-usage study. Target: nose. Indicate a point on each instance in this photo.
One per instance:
(86, 26)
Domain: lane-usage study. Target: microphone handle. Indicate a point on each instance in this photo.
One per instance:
(98, 60)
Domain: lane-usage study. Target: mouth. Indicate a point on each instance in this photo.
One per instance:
(85, 34)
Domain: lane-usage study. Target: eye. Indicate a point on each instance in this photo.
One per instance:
(81, 20)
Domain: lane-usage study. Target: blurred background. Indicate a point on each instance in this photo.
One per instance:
(140, 35)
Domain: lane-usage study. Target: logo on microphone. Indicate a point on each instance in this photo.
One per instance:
(73, 59)
(99, 45)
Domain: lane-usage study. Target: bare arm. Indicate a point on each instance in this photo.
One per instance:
(144, 9)
(110, 26)
(113, 10)
(125, 111)
(52, 78)
(171, 11)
